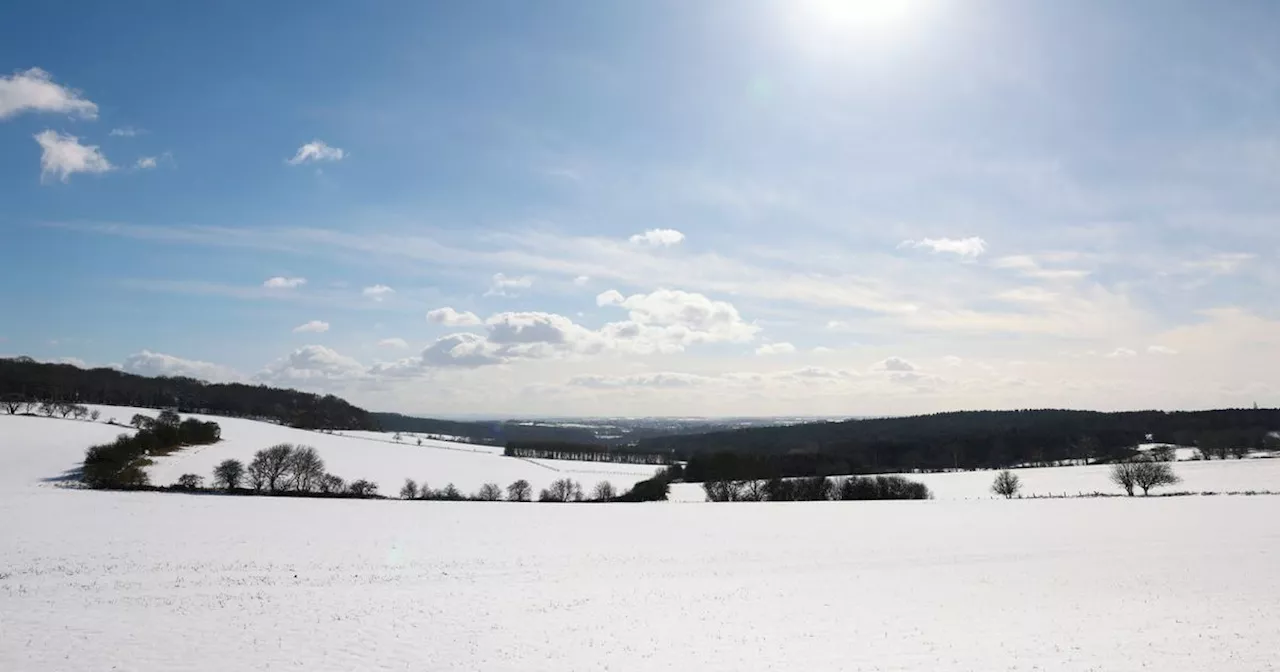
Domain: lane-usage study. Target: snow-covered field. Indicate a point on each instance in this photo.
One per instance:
(377, 457)
(153, 581)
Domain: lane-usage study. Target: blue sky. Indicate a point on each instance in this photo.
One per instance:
(576, 208)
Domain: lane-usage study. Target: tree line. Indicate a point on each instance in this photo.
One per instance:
(816, 489)
(560, 450)
(119, 464)
(26, 381)
(1144, 472)
(961, 440)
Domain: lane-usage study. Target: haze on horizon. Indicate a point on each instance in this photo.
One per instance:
(757, 208)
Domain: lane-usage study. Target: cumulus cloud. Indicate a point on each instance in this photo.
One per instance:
(1160, 350)
(460, 350)
(453, 318)
(316, 151)
(393, 343)
(35, 91)
(501, 285)
(378, 292)
(147, 363)
(971, 247)
(684, 317)
(658, 238)
(62, 156)
(279, 282)
(775, 349)
(312, 363)
(312, 327)
(146, 163)
(894, 364)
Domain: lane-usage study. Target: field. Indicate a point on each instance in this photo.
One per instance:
(153, 581)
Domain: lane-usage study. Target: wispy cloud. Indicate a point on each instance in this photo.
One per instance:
(281, 282)
(378, 292)
(658, 238)
(63, 156)
(34, 90)
(125, 132)
(502, 285)
(316, 151)
(971, 247)
(312, 327)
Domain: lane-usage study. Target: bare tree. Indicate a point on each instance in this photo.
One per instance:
(752, 491)
(722, 491)
(603, 492)
(48, 408)
(1153, 474)
(451, 493)
(489, 492)
(270, 467)
(409, 490)
(228, 474)
(95, 414)
(305, 469)
(1125, 475)
(1007, 484)
(363, 488)
(330, 484)
(189, 482)
(14, 405)
(65, 408)
(519, 491)
(79, 411)
(563, 490)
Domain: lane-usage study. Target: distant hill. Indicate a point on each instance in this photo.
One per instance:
(977, 439)
(593, 431)
(25, 378)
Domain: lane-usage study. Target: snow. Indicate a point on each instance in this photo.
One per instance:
(374, 456)
(154, 581)
(1199, 476)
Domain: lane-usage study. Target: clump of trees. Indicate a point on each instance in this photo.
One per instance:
(560, 450)
(816, 489)
(1144, 474)
(563, 490)
(119, 464)
(1007, 484)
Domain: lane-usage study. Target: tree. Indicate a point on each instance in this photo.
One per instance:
(330, 484)
(489, 492)
(95, 414)
(270, 467)
(14, 405)
(305, 469)
(1125, 475)
(141, 421)
(603, 492)
(519, 491)
(65, 408)
(1153, 474)
(168, 417)
(409, 490)
(1007, 484)
(451, 493)
(228, 474)
(79, 411)
(721, 491)
(753, 490)
(189, 482)
(363, 488)
(48, 408)
(565, 490)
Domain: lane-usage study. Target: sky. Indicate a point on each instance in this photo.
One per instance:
(731, 207)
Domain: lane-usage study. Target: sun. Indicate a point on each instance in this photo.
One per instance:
(860, 16)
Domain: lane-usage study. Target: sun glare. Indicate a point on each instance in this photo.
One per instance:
(860, 16)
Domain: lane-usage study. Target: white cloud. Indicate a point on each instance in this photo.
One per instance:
(279, 282)
(581, 280)
(312, 327)
(146, 162)
(658, 238)
(1030, 266)
(393, 343)
(1121, 352)
(971, 247)
(124, 132)
(775, 349)
(1160, 350)
(641, 380)
(316, 151)
(460, 350)
(1221, 263)
(501, 285)
(63, 156)
(453, 318)
(952, 360)
(147, 363)
(894, 364)
(684, 317)
(311, 363)
(35, 91)
(378, 292)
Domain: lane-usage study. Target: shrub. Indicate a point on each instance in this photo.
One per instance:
(189, 482)
(1007, 484)
(881, 487)
(655, 489)
(363, 488)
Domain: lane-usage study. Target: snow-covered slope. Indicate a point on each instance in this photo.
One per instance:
(368, 455)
